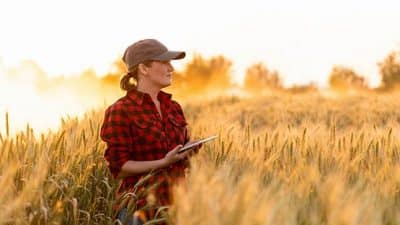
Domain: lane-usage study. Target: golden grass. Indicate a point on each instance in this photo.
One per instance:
(278, 160)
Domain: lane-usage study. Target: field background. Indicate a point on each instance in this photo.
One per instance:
(279, 159)
(303, 95)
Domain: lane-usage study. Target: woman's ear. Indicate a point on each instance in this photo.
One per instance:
(142, 68)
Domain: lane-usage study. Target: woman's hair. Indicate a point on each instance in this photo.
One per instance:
(131, 79)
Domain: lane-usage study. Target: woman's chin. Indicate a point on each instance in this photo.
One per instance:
(166, 84)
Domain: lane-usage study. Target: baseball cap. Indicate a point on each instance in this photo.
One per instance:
(148, 49)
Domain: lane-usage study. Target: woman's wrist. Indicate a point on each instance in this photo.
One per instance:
(164, 162)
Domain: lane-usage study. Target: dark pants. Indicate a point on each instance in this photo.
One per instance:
(132, 220)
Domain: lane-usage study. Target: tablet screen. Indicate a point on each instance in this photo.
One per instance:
(196, 143)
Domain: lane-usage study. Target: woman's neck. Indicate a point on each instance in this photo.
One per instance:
(152, 91)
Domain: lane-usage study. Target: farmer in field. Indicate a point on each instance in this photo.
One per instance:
(145, 129)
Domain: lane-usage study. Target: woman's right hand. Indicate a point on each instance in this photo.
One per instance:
(173, 155)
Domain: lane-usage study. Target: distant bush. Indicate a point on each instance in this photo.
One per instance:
(259, 78)
(201, 74)
(300, 89)
(344, 79)
(390, 71)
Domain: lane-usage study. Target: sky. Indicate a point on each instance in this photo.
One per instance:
(301, 39)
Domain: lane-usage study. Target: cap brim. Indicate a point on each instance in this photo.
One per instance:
(170, 55)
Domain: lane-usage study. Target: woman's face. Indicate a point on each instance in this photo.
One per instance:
(159, 73)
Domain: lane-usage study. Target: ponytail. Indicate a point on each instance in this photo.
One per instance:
(130, 80)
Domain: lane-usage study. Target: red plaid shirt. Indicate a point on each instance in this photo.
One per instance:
(134, 130)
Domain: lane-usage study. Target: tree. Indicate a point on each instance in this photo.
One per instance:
(258, 78)
(220, 72)
(343, 79)
(201, 74)
(390, 71)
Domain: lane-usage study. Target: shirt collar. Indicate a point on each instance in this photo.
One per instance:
(138, 96)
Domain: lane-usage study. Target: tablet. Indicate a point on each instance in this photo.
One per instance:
(196, 143)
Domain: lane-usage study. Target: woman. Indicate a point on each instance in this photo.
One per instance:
(145, 129)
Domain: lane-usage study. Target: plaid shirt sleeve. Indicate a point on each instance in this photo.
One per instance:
(116, 133)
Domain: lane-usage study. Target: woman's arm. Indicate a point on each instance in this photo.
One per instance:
(135, 167)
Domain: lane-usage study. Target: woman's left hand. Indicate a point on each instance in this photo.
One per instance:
(194, 150)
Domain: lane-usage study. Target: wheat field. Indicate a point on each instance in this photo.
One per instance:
(279, 159)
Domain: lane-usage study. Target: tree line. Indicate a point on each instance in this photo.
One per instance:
(214, 74)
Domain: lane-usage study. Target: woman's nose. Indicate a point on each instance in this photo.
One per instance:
(170, 67)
